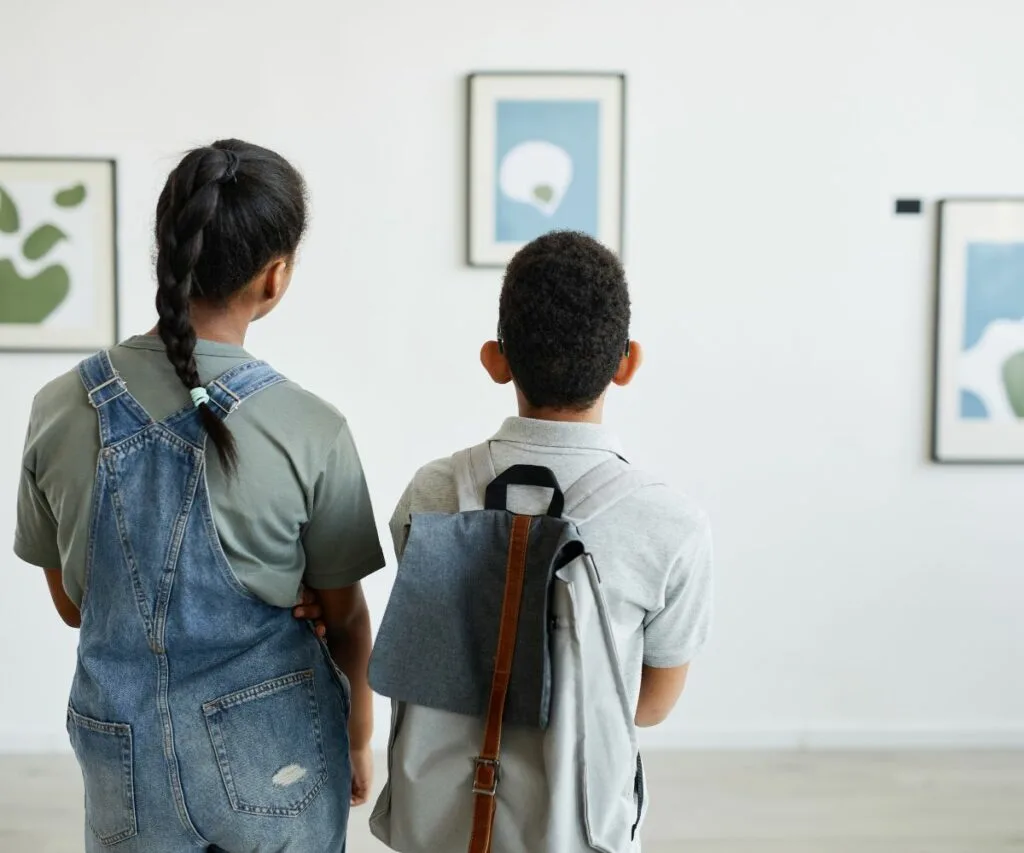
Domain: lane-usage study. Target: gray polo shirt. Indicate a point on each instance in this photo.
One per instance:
(653, 550)
(297, 509)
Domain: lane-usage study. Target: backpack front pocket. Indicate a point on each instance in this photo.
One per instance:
(104, 752)
(269, 745)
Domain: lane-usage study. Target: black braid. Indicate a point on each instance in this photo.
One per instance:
(192, 204)
(225, 213)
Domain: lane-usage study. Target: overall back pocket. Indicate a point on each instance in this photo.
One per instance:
(269, 745)
(104, 752)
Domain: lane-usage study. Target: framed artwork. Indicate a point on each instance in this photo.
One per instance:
(979, 349)
(546, 153)
(58, 254)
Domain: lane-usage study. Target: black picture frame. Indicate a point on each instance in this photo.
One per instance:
(957, 450)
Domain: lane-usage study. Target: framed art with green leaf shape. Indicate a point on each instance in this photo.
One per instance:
(58, 254)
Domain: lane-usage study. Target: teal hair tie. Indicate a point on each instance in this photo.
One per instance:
(199, 397)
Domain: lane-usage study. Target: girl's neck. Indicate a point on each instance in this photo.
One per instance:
(217, 323)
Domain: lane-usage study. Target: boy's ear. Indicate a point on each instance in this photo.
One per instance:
(630, 364)
(493, 359)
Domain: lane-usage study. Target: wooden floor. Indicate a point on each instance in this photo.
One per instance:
(702, 803)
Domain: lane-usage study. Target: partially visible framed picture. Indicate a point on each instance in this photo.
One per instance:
(58, 254)
(979, 359)
(546, 153)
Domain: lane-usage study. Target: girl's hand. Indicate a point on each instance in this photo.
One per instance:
(362, 775)
(309, 609)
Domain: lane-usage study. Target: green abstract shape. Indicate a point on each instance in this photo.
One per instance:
(544, 192)
(8, 213)
(31, 300)
(71, 197)
(1013, 378)
(40, 241)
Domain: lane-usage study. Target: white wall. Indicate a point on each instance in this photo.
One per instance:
(865, 596)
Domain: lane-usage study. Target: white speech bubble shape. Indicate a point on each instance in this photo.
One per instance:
(536, 173)
(980, 370)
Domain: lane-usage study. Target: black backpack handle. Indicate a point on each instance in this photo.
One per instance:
(496, 496)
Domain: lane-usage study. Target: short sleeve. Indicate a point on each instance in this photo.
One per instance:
(400, 520)
(674, 634)
(35, 536)
(340, 540)
(432, 489)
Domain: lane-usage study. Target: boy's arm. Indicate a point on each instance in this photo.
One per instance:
(660, 689)
(675, 633)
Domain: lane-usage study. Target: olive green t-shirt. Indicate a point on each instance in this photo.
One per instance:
(297, 510)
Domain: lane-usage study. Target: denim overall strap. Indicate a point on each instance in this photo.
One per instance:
(228, 391)
(104, 386)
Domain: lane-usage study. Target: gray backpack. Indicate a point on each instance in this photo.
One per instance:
(511, 727)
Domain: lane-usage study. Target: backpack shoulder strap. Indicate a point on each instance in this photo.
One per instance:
(474, 471)
(602, 487)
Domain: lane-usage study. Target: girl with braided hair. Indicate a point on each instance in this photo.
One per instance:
(177, 537)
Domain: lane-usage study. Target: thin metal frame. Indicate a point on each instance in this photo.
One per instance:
(615, 75)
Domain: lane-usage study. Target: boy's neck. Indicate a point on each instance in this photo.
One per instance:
(593, 415)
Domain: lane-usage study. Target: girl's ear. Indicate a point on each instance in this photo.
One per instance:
(276, 280)
(630, 364)
(492, 357)
(268, 288)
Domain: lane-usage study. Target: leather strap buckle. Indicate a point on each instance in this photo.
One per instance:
(487, 776)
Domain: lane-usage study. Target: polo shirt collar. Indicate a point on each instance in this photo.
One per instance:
(580, 436)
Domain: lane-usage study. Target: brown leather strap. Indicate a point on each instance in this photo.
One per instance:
(485, 778)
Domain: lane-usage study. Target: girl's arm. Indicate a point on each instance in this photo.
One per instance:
(65, 606)
(349, 639)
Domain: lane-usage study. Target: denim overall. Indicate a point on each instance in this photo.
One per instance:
(202, 717)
